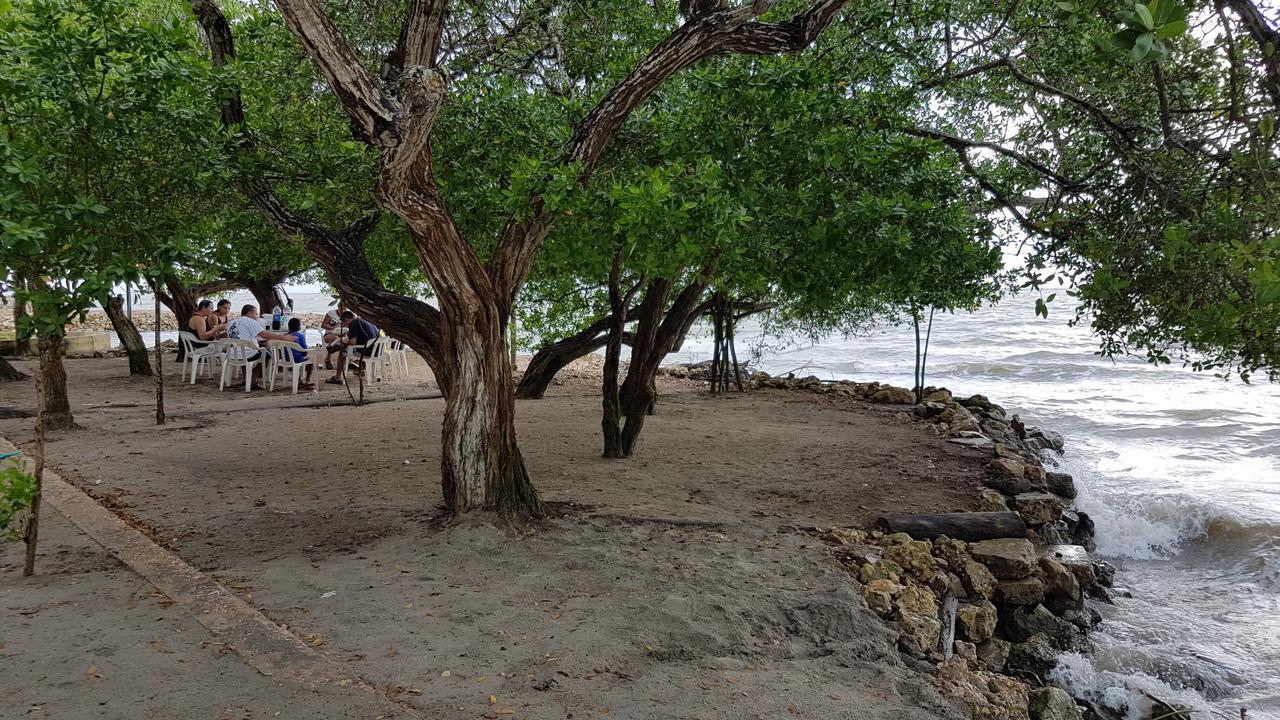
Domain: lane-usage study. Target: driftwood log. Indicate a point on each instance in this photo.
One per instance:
(967, 526)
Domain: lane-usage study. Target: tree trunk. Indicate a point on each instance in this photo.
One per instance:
(264, 294)
(481, 465)
(10, 373)
(611, 401)
(57, 409)
(21, 336)
(31, 534)
(128, 334)
(551, 359)
(637, 393)
(181, 301)
(160, 368)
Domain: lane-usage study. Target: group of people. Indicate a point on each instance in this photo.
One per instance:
(345, 335)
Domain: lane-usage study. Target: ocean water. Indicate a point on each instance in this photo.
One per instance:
(1181, 472)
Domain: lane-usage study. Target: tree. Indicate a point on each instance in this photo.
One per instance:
(92, 108)
(464, 340)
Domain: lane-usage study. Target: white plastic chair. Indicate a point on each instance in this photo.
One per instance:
(193, 356)
(399, 358)
(282, 359)
(376, 360)
(237, 356)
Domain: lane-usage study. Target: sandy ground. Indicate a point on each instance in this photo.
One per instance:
(676, 585)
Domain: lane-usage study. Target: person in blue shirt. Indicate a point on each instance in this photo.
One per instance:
(295, 334)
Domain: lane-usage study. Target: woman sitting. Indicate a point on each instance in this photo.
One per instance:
(201, 325)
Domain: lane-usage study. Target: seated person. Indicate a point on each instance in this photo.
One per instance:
(248, 327)
(221, 316)
(333, 331)
(199, 325)
(359, 333)
(295, 333)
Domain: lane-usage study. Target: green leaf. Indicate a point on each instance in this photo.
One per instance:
(1172, 29)
(1141, 47)
(1144, 15)
(1267, 126)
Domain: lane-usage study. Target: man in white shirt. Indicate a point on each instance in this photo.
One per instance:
(248, 327)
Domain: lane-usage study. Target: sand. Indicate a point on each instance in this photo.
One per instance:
(680, 583)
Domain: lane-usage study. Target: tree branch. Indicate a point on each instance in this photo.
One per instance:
(372, 113)
(961, 143)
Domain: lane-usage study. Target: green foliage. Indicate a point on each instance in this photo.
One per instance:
(17, 497)
(97, 131)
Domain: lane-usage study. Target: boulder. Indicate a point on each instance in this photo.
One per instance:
(1106, 573)
(1035, 657)
(1060, 483)
(1027, 591)
(972, 439)
(916, 600)
(1042, 439)
(894, 396)
(1075, 559)
(1022, 623)
(1006, 557)
(1034, 472)
(914, 556)
(1008, 484)
(966, 650)
(1052, 703)
(1082, 533)
(1061, 587)
(928, 409)
(1057, 532)
(992, 501)
(977, 579)
(879, 595)
(941, 396)
(918, 634)
(886, 569)
(976, 622)
(978, 402)
(1007, 466)
(994, 653)
(1038, 508)
(951, 552)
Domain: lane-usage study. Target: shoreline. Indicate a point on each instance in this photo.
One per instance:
(1009, 606)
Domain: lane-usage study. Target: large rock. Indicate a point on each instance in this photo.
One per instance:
(1008, 484)
(978, 580)
(916, 600)
(1051, 703)
(918, 634)
(1038, 508)
(1007, 466)
(914, 556)
(1006, 557)
(894, 396)
(976, 622)
(992, 501)
(994, 653)
(879, 595)
(1060, 483)
(885, 569)
(1035, 657)
(942, 397)
(1074, 558)
(1061, 588)
(1022, 623)
(1027, 591)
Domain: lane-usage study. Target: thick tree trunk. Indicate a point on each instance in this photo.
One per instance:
(637, 393)
(9, 373)
(128, 334)
(481, 465)
(57, 408)
(264, 294)
(181, 301)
